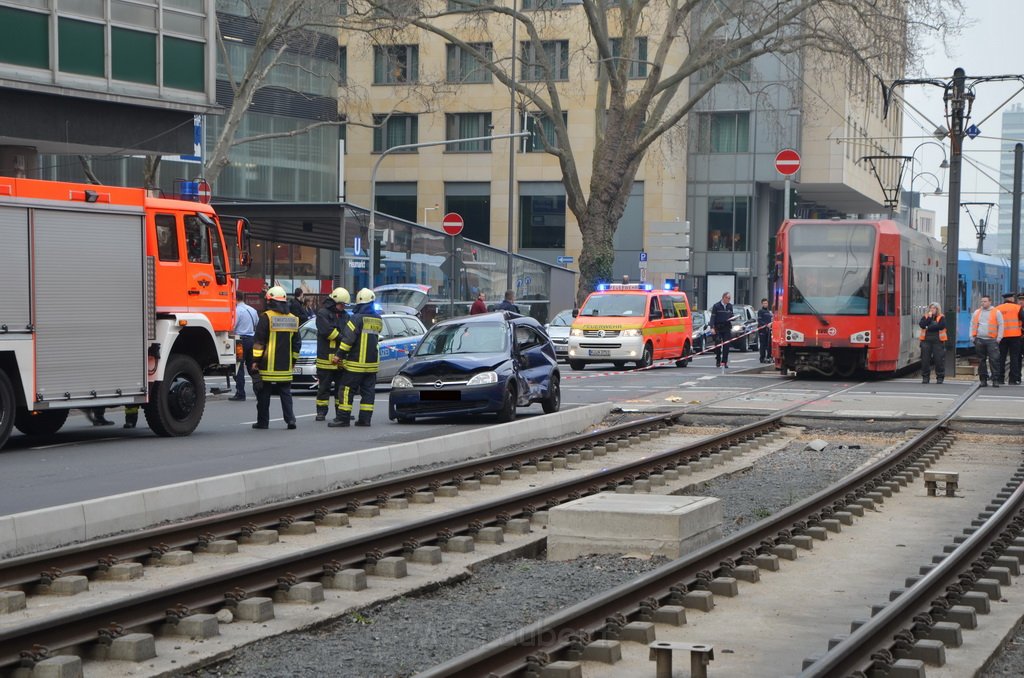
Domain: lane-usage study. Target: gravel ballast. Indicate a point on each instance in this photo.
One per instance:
(412, 634)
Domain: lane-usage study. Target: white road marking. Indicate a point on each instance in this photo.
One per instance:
(298, 416)
(77, 442)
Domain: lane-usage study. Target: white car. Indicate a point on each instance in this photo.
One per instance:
(558, 330)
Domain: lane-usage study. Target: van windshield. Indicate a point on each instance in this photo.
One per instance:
(602, 305)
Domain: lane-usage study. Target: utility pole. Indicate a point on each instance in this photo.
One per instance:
(955, 98)
(1018, 152)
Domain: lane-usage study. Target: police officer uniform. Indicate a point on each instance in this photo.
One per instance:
(721, 323)
(764, 333)
(275, 349)
(331, 317)
(360, 360)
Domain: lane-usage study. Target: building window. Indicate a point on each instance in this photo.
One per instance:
(727, 224)
(638, 61)
(463, 67)
(542, 131)
(80, 47)
(394, 130)
(472, 200)
(397, 199)
(723, 132)
(466, 126)
(555, 53)
(396, 64)
(740, 72)
(459, 5)
(184, 64)
(343, 65)
(541, 221)
(24, 38)
(545, 4)
(133, 55)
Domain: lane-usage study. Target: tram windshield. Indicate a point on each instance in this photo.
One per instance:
(830, 269)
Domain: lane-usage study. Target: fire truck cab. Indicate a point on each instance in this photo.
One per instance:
(620, 323)
(112, 297)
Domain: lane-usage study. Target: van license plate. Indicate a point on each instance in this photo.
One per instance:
(600, 351)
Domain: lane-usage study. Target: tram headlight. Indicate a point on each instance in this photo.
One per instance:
(861, 337)
(794, 336)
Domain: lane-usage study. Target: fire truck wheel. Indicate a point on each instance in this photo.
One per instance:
(7, 408)
(647, 358)
(42, 423)
(176, 404)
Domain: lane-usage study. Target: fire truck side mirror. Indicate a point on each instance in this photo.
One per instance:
(242, 244)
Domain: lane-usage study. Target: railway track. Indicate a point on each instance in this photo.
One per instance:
(100, 625)
(583, 631)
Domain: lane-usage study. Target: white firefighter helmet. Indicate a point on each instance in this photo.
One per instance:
(340, 295)
(277, 293)
(365, 296)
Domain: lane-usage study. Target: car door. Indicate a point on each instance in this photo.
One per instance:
(534, 362)
(208, 288)
(386, 349)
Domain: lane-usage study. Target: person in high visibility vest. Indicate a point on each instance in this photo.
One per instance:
(933, 344)
(986, 331)
(357, 352)
(1009, 345)
(331, 319)
(274, 351)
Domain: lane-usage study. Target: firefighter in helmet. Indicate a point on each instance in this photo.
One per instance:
(330, 321)
(357, 353)
(276, 345)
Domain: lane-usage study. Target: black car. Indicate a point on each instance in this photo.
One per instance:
(491, 362)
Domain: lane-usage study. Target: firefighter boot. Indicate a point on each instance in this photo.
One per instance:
(341, 419)
(321, 412)
(364, 419)
(131, 417)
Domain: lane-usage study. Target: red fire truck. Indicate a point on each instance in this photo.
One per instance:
(112, 296)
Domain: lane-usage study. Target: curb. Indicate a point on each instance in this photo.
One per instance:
(56, 526)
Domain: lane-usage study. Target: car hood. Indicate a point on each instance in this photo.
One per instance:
(453, 364)
(561, 331)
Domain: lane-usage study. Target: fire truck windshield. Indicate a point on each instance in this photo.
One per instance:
(611, 304)
(830, 269)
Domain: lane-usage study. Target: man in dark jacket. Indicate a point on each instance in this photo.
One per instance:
(508, 303)
(764, 331)
(721, 329)
(358, 355)
(330, 320)
(933, 344)
(297, 306)
(275, 347)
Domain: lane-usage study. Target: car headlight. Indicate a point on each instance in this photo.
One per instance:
(483, 378)
(631, 333)
(401, 381)
(575, 332)
(738, 329)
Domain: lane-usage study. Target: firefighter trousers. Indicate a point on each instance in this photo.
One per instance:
(284, 390)
(363, 383)
(328, 385)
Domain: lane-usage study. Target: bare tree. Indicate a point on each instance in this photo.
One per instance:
(712, 38)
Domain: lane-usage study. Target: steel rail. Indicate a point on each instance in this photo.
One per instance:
(264, 578)
(878, 636)
(557, 635)
(35, 569)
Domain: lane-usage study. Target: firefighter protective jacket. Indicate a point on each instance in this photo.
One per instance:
(330, 320)
(359, 338)
(276, 345)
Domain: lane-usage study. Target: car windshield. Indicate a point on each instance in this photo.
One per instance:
(830, 269)
(563, 319)
(401, 297)
(698, 320)
(464, 338)
(614, 305)
(308, 332)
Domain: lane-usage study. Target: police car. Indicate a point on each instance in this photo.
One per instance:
(398, 340)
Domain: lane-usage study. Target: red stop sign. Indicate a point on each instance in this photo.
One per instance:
(787, 162)
(452, 223)
(203, 191)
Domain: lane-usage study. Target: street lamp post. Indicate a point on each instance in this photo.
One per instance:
(938, 191)
(943, 165)
(429, 209)
(371, 227)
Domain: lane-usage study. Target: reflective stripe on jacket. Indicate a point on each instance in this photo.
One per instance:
(276, 345)
(329, 323)
(1011, 318)
(927, 325)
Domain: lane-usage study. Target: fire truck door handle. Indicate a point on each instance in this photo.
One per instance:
(194, 292)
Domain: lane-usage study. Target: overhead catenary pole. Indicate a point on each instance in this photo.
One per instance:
(1018, 152)
(955, 94)
(511, 158)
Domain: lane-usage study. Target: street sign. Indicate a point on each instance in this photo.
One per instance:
(643, 256)
(643, 264)
(528, 280)
(452, 223)
(972, 131)
(357, 246)
(203, 191)
(787, 162)
(563, 260)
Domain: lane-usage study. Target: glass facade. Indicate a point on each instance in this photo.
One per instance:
(298, 246)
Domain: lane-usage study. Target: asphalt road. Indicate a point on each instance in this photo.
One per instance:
(83, 462)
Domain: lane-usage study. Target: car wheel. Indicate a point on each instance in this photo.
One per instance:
(507, 412)
(619, 364)
(577, 364)
(687, 356)
(42, 423)
(553, 401)
(177, 402)
(647, 359)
